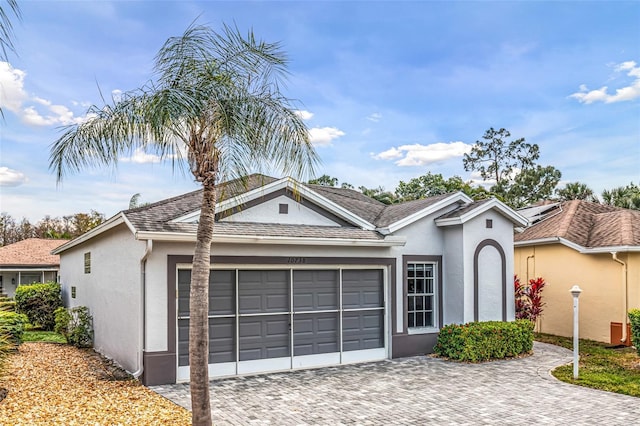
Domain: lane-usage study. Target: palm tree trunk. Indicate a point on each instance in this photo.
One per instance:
(199, 311)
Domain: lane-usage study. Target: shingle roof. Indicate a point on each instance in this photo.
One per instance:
(157, 217)
(354, 201)
(589, 225)
(394, 212)
(460, 211)
(30, 252)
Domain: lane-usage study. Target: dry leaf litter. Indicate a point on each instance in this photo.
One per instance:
(52, 384)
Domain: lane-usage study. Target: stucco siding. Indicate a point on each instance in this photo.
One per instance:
(598, 275)
(453, 275)
(111, 291)
(269, 212)
(475, 232)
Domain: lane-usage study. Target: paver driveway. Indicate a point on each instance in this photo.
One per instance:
(416, 390)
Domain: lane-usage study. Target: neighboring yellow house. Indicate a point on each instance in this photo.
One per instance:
(592, 245)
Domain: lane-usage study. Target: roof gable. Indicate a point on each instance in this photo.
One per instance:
(472, 210)
(31, 252)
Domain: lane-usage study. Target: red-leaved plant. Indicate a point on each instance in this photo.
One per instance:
(528, 298)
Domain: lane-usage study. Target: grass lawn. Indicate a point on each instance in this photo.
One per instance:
(601, 366)
(33, 334)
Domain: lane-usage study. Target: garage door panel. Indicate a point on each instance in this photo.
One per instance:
(315, 290)
(264, 337)
(222, 336)
(315, 333)
(362, 289)
(221, 341)
(363, 330)
(183, 342)
(263, 291)
(221, 292)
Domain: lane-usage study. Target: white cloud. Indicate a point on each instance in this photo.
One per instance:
(375, 117)
(12, 93)
(390, 154)
(32, 110)
(305, 115)
(627, 93)
(141, 157)
(420, 155)
(322, 136)
(10, 177)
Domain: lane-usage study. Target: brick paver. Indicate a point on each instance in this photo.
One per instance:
(416, 390)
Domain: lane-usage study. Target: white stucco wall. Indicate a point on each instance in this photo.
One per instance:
(475, 231)
(424, 238)
(490, 285)
(453, 275)
(269, 212)
(111, 291)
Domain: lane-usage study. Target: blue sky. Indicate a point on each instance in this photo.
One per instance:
(391, 90)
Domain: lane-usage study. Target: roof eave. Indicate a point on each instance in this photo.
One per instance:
(390, 241)
(578, 247)
(517, 219)
(458, 197)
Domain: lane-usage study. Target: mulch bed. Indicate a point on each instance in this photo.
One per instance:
(53, 384)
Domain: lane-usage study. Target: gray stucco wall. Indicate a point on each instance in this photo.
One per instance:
(111, 291)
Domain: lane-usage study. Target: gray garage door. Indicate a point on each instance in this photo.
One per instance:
(261, 320)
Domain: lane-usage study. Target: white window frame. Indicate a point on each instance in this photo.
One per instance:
(434, 297)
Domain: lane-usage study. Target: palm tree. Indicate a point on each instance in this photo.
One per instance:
(6, 28)
(577, 191)
(216, 106)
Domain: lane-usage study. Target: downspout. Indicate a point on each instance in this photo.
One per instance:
(625, 292)
(142, 331)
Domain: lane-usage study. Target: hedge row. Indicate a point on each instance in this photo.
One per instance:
(482, 341)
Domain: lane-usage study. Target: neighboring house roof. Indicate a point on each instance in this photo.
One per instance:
(366, 221)
(584, 226)
(30, 253)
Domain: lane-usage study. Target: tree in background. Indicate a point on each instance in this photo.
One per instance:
(379, 194)
(576, 191)
(67, 227)
(217, 98)
(511, 165)
(497, 160)
(627, 197)
(531, 185)
(324, 180)
(430, 185)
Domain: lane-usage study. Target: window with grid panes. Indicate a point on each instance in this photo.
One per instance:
(421, 285)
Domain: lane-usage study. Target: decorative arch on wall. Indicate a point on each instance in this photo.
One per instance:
(476, 274)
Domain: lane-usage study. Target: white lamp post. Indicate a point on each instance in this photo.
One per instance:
(575, 292)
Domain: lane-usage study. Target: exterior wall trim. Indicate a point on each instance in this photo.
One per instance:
(476, 290)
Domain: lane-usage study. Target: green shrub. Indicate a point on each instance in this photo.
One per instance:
(634, 317)
(75, 325)
(39, 302)
(481, 341)
(8, 305)
(12, 325)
